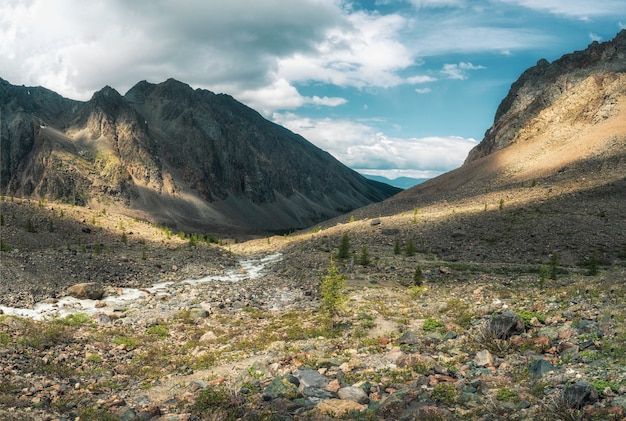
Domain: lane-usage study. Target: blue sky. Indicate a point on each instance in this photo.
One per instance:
(389, 87)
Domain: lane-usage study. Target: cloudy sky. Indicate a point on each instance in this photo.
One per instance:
(393, 87)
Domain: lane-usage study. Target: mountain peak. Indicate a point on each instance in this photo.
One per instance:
(546, 83)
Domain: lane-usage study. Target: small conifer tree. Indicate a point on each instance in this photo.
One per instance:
(554, 266)
(331, 291)
(396, 247)
(364, 258)
(593, 264)
(418, 276)
(344, 247)
(410, 248)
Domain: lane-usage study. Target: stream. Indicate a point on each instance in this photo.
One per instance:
(249, 269)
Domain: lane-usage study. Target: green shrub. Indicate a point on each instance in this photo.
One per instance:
(445, 393)
(129, 343)
(505, 394)
(527, 316)
(76, 319)
(158, 330)
(601, 385)
(431, 324)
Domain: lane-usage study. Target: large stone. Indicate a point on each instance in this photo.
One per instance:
(409, 338)
(505, 325)
(539, 367)
(579, 394)
(483, 358)
(86, 290)
(311, 378)
(353, 393)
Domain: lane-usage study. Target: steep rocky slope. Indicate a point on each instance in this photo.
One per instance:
(187, 158)
(549, 177)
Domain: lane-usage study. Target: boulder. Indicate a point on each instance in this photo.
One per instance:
(579, 394)
(505, 325)
(353, 393)
(86, 290)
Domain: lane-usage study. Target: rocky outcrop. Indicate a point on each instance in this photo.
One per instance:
(545, 84)
(187, 158)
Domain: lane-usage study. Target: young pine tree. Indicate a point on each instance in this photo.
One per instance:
(344, 247)
(364, 258)
(396, 247)
(418, 276)
(332, 292)
(410, 248)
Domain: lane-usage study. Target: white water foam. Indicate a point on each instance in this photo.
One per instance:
(250, 269)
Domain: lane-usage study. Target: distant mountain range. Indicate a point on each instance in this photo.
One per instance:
(191, 159)
(400, 182)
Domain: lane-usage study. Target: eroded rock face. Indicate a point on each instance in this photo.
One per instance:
(547, 83)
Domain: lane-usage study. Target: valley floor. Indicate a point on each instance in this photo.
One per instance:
(481, 340)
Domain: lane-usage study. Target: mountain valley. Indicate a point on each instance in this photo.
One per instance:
(494, 291)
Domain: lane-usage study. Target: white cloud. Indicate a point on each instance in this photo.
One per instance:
(459, 71)
(413, 80)
(281, 95)
(437, 3)
(395, 173)
(76, 48)
(360, 145)
(423, 90)
(595, 37)
(367, 53)
(578, 9)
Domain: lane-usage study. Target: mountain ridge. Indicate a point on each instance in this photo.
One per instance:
(191, 159)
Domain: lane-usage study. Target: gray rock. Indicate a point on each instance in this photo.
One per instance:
(310, 378)
(619, 401)
(409, 338)
(505, 325)
(579, 394)
(539, 367)
(353, 393)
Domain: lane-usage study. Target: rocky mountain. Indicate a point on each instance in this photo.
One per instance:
(173, 155)
(587, 82)
(547, 179)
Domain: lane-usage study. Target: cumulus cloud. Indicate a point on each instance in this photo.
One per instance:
(360, 145)
(76, 49)
(367, 53)
(281, 95)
